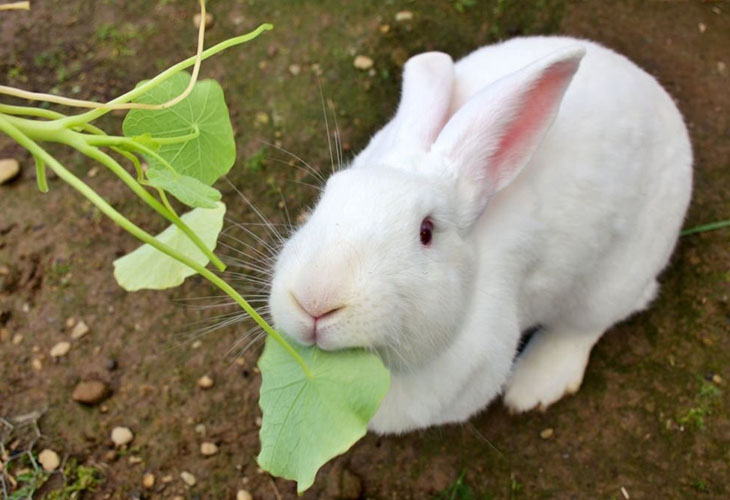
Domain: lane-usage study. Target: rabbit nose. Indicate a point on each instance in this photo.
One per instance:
(316, 310)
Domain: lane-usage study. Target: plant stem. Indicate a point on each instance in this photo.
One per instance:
(139, 233)
(177, 139)
(30, 111)
(84, 143)
(24, 5)
(165, 201)
(115, 167)
(706, 227)
(88, 116)
(40, 175)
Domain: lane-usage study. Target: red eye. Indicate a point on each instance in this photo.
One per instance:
(426, 231)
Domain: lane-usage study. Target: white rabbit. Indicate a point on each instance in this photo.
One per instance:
(511, 189)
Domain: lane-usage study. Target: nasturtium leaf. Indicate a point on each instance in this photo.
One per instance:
(188, 190)
(308, 421)
(210, 150)
(147, 267)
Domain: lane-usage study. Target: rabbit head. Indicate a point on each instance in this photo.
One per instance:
(387, 259)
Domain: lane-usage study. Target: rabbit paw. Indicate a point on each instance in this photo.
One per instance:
(551, 366)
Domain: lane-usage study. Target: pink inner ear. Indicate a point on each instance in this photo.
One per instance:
(533, 114)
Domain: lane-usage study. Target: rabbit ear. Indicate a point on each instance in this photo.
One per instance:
(422, 112)
(492, 137)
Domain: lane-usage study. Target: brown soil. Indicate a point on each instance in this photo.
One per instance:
(648, 421)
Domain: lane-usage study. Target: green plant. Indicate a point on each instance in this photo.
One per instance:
(458, 490)
(703, 403)
(181, 127)
(76, 479)
(462, 5)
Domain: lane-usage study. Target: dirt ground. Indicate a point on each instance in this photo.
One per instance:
(651, 420)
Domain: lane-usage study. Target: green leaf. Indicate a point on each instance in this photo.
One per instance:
(308, 421)
(194, 135)
(147, 267)
(188, 190)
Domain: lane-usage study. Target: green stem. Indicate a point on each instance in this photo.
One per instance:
(40, 175)
(135, 161)
(706, 227)
(129, 143)
(139, 233)
(89, 116)
(115, 167)
(85, 144)
(177, 139)
(165, 201)
(30, 111)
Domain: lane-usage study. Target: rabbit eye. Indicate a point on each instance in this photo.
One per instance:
(426, 231)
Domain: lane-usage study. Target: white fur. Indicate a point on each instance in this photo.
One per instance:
(565, 225)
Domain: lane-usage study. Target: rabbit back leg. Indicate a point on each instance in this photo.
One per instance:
(553, 363)
(551, 366)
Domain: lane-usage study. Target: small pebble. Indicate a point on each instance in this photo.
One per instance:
(9, 170)
(122, 436)
(258, 421)
(110, 456)
(37, 364)
(134, 460)
(17, 338)
(148, 480)
(208, 449)
(262, 118)
(243, 495)
(404, 15)
(546, 433)
(91, 392)
(200, 429)
(363, 62)
(702, 27)
(208, 20)
(205, 382)
(717, 379)
(188, 478)
(167, 479)
(196, 344)
(93, 172)
(295, 69)
(384, 28)
(70, 322)
(49, 460)
(61, 349)
(79, 330)
(721, 67)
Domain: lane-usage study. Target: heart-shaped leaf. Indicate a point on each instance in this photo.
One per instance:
(188, 190)
(147, 267)
(194, 135)
(309, 420)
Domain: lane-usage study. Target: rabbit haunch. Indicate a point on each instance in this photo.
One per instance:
(556, 174)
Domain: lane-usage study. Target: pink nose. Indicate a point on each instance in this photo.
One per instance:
(316, 311)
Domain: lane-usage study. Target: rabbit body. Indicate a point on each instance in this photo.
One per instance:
(556, 175)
